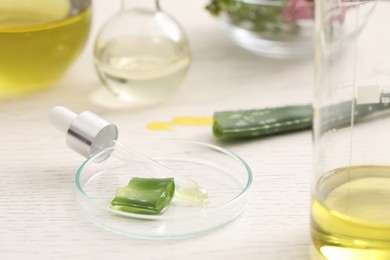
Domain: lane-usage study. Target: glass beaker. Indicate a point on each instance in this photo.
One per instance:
(142, 54)
(39, 40)
(351, 186)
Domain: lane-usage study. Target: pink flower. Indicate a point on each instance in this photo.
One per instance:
(298, 9)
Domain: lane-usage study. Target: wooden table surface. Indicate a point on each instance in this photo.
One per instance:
(39, 217)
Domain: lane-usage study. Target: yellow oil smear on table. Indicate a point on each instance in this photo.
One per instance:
(180, 121)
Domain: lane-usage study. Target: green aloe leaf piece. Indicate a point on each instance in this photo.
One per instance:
(149, 196)
(270, 121)
(261, 122)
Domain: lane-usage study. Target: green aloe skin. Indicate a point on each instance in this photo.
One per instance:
(150, 196)
(261, 122)
(241, 124)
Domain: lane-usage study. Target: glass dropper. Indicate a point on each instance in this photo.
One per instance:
(89, 134)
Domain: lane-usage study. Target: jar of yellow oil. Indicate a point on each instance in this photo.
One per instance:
(39, 40)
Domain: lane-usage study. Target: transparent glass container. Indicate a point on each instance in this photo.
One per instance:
(224, 175)
(271, 28)
(39, 40)
(142, 54)
(351, 183)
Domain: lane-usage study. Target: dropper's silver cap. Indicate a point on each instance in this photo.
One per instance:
(86, 133)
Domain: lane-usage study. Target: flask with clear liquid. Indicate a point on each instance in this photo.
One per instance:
(350, 209)
(142, 54)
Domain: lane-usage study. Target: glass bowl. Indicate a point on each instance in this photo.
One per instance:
(270, 28)
(284, 29)
(226, 177)
(40, 40)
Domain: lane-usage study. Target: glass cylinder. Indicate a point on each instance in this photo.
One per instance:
(351, 185)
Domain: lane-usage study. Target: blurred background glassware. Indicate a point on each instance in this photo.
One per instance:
(39, 40)
(142, 54)
(281, 29)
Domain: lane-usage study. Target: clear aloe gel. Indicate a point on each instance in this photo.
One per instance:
(89, 134)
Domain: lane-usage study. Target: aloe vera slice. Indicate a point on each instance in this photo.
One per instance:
(148, 196)
(270, 121)
(261, 122)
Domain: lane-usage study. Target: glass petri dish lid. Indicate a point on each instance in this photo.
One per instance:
(226, 177)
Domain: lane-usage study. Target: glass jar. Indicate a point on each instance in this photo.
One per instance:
(351, 184)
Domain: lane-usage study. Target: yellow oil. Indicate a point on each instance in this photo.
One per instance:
(351, 214)
(39, 42)
(180, 121)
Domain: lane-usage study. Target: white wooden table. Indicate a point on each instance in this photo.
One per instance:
(38, 211)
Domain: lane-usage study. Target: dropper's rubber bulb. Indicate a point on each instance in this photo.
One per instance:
(61, 118)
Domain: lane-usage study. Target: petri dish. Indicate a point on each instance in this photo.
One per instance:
(226, 177)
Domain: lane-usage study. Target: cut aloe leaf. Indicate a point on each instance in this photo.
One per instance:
(149, 196)
(270, 121)
(261, 122)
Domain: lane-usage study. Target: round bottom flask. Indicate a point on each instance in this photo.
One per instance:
(141, 54)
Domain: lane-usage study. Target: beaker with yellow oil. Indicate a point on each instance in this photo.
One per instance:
(39, 40)
(350, 210)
